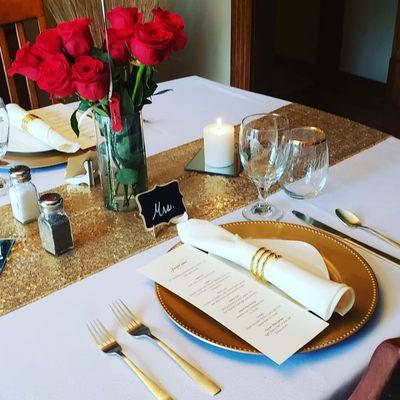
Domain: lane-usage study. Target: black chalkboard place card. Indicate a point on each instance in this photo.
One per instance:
(160, 205)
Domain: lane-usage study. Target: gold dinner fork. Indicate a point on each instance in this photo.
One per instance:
(109, 345)
(132, 325)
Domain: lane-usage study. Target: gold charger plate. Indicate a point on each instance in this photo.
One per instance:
(344, 265)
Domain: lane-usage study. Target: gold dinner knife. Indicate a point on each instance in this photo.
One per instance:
(348, 239)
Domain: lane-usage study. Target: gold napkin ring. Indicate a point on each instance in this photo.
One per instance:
(255, 259)
(259, 262)
(28, 118)
(262, 264)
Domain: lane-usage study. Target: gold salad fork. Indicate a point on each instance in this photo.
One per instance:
(109, 345)
(132, 325)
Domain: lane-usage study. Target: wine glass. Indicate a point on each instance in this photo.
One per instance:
(306, 172)
(4, 135)
(264, 150)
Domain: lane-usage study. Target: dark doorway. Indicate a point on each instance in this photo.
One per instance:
(329, 54)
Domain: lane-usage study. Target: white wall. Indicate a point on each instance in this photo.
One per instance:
(208, 26)
(367, 37)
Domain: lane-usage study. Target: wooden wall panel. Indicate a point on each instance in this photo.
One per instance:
(393, 81)
(241, 42)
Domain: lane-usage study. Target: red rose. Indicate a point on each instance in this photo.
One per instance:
(55, 76)
(47, 44)
(117, 42)
(151, 44)
(92, 78)
(25, 63)
(124, 17)
(76, 36)
(173, 23)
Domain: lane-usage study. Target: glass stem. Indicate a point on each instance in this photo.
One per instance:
(262, 206)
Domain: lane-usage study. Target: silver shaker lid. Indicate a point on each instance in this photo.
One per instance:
(50, 201)
(20, 173)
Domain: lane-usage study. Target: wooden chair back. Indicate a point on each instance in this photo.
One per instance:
(14, 12)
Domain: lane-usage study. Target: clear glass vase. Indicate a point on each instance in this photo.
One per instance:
(122, 161)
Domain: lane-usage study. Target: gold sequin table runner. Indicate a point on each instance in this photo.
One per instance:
(102, 237)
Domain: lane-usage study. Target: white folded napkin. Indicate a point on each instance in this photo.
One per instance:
(319, 295)
(42, 131)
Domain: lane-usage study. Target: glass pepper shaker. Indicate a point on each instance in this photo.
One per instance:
(23, 195)
(54, 226)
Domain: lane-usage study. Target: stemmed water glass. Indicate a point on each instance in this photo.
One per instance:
(4, 135)
(264, 151)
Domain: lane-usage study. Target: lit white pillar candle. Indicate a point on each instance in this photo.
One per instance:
(219, 144)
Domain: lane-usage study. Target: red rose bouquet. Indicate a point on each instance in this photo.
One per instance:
(63, 61)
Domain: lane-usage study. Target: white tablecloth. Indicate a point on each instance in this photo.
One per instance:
(45, 350)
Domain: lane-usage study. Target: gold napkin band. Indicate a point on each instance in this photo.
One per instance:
(260, 260)
(28, 118)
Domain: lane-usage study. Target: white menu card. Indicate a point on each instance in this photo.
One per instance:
(274, 325)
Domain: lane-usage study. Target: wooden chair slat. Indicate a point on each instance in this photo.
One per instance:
(19, 27)
(15, 12)
(20, 10)
(20, 33)
(41, 23)
(5, 59)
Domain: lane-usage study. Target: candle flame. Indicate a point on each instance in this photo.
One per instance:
(219, 123)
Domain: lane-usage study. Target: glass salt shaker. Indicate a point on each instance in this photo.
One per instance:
(23, 195)
(54, 226)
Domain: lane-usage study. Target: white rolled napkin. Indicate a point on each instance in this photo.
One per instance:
(42, 131)
(316, 294)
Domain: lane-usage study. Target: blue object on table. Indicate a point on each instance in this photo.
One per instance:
(5, 249)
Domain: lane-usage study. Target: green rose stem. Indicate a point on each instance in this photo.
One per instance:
(116, 189)
(126, 199)
(133, 191)
(138, 78)
(116, 162)
(109, 150)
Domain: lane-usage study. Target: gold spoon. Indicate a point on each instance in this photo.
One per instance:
(350, 219)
